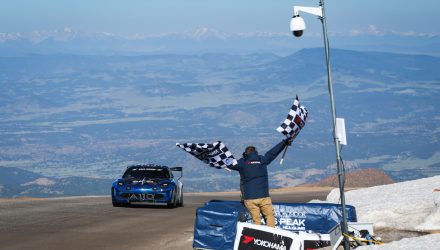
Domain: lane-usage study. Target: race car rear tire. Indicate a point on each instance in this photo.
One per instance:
(173, 202)
(180, 200)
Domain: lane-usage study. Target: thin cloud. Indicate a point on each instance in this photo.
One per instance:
(68, 34)
(373, 30)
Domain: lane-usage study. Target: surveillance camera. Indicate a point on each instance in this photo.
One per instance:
(297, 25)
(298, 33)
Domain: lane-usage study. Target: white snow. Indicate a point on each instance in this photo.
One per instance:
(40, 182)
(426, 242)
(412, 206)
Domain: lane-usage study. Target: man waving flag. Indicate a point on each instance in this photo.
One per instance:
(217, 155)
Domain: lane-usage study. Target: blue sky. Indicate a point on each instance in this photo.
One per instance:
(126, 17)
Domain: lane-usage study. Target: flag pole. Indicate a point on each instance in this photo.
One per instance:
(291, 138)
(284, 153)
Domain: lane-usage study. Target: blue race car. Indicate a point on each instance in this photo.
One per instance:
(148, 185)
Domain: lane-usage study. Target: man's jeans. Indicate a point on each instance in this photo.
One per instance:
(265, 206)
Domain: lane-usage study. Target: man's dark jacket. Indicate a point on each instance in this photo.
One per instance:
(253, 172)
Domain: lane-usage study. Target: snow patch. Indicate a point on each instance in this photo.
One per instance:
(40, 182)
(428, 242)
(432, 222)
(412, 205)
(407, 92)
(409, 206)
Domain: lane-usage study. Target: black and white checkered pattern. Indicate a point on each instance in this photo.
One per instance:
(295, 121)
(217, 155)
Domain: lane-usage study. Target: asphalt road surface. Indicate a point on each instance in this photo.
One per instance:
(93, 223)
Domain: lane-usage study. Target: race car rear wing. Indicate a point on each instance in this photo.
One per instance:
(178, 169)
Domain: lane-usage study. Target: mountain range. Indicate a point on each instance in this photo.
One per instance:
(90, 116)
(16, 182)
(204, 40)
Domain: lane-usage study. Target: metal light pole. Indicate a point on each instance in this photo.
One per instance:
(297, 26)
(341, 172)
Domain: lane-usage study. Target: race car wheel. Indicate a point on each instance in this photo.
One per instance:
(116, 204)
(173, 202)
(181, 200)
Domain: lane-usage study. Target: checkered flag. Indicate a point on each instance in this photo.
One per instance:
(295, 121)
(217, 155)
